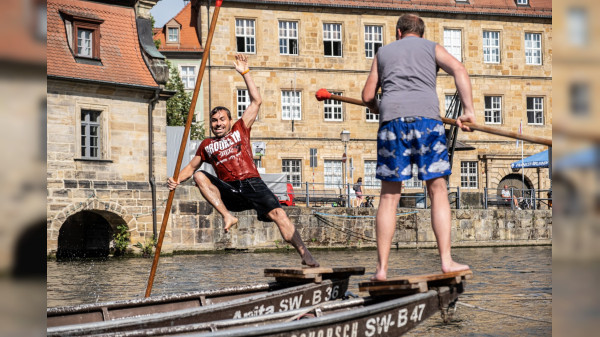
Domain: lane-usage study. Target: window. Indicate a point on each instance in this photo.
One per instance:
(373, 40)
(291, 167)
(288, 38)
(369, 179)
(577, 26)
(333, 174)
(243, 100)
(468, 174)
(90, 134)
(579, 97)
(414, 181)
(493, 109)
(188, 76)
(370, 116)
(491, 47)
(533, 48)
(333, 108)
(173, 34)
(535, 110)
(291, 108)
(313, 157)
(244, 34)
(448, 102)
(522, 2)
(86, 42)
(332, 39)
(453, 42)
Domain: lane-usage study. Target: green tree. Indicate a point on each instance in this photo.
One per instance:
(153, 23)
(178, 106)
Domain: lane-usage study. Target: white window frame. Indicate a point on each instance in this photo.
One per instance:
(332, 34)
(243, 101)
(245, 29)
(578, 26)
(85, 43)
(491, 46)
(293, 170)
(288, 33)
(189, 80)
(372, 117)
(88, 128)
(493, 113)
(533, 48)
(536, 111)
(170, 35)
(333, 109)
(522, 2)
(291, 105)
(469, 174)
(373, 40)
(453, 42)
(414, 181)
(333, 174)
(370, 169)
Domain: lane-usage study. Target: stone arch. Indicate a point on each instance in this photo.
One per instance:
(111, 212)
(514, 180)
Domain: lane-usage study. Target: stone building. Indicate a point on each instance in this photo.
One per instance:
(106, 143)
(296, 48)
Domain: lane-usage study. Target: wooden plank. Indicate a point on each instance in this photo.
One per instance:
(297, 271)
(421, 282)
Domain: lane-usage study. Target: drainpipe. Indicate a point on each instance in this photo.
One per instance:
(151, 105)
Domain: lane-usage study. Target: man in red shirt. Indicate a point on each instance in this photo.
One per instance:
(238, 186)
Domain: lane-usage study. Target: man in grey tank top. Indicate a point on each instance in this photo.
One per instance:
(411, 132)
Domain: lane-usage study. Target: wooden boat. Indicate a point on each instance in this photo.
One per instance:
(393, 308)
(319, 283)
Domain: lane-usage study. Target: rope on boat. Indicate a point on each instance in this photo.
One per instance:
(503, 313)
(360, 236)
(359, 216)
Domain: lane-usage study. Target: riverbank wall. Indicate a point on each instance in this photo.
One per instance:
(195, 226)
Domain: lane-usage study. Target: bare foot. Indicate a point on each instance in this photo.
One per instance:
(308, 260)
(379, 276)
(229, 222)
(454, 266)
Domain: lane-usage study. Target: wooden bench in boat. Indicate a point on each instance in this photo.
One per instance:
(407, 285)
(316, 275)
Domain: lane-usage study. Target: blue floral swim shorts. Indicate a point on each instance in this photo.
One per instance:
(405, 141)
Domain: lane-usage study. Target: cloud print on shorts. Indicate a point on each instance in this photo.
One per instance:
(407, 170)
(412, 134)
(439, 166)
(385, 171)
(424, 149)
(423, 170)
(386, 153)
(386, 135)
(439, 129)
(439, 147)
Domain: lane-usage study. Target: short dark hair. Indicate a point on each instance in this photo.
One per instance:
(410, 23)
(219, 108)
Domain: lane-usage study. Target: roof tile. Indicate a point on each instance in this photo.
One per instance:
(188, 40)
(120, 51)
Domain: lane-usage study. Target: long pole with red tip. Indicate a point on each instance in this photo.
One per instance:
(323, 94)
(186, 132)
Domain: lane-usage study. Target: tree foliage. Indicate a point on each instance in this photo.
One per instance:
(178, 106)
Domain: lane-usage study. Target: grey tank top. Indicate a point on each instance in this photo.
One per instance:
(407, 76)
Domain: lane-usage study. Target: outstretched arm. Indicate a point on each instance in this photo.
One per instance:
(369, 93)
(185, 173)
(241, 65)
(461, 79)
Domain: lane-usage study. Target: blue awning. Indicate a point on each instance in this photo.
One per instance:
(537, 160)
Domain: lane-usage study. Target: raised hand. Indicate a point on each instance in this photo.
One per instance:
(241, 63)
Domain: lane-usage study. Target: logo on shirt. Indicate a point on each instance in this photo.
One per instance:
(224, 143)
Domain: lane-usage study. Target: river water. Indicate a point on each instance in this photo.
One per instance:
(510, 293)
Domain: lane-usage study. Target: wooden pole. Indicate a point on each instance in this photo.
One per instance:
(323, 94)
(186, 133)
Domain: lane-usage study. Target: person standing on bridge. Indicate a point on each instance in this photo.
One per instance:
(411, 131)
(238, 186)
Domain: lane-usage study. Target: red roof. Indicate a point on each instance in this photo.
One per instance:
(18, 33)
(188, 40)
(505, 7)
(120, 50)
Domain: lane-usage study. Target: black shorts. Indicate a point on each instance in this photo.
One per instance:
(242, 195)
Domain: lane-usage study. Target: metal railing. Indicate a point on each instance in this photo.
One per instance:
(528, 198)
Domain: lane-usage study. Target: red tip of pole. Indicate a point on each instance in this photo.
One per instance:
(219, 2)
(322, 94)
